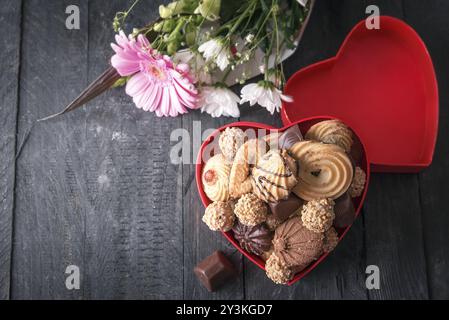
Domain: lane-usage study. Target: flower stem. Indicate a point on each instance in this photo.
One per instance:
(241, 18)
(132, 7)
(226, 74)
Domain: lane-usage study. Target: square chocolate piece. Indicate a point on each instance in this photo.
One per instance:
(344, 211)
(215, 270)
(283, 209)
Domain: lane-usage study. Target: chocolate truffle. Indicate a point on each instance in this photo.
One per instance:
(330, 240)
(250, 210)
(283, 209)
(289, 137)
(215, 270)
(277, 270)
(344, 211)
(230, 141)
(219, 216)
(358, 184)
(295, 245)
(318, 215)
(256, 239)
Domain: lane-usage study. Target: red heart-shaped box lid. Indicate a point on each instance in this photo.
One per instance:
(382, 84)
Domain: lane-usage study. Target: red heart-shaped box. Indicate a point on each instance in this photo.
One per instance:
(382, 84)
(304, 126)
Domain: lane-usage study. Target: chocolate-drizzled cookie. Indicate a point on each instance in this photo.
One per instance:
(274, 176)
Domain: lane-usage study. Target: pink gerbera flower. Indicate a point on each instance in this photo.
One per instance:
(156, 84)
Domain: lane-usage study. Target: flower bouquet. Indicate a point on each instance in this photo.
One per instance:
(197, 49)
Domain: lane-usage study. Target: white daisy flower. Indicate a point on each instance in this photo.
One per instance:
(214, 50)
(219, 101)
(265, 94)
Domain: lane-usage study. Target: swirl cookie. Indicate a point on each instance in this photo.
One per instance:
(332, 132)
(215, 178)
(247, 155)
(274, 176)
(325, 170)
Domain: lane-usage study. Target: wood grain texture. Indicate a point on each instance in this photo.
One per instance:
(341, 276)
(10, 24)
(134, 194)
(49, 212)
(199, 241)
(433, 28)
(393, 222)
(96, 188)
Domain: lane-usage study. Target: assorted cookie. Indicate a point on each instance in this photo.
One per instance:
(274, 176)
(284, 198)
(230, 141)
(325, 170)
(332, 132)
(247, 155)
(215, 178)
(295, 245)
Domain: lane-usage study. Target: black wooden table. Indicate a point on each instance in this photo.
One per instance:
(95, 188)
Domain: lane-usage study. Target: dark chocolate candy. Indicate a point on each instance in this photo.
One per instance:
(215, 270)
(255, 239)
(283, 209)
(357, 153)
(344, 211)
(289, 137)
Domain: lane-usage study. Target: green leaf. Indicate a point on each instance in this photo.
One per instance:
(210, 9)
(178, 7)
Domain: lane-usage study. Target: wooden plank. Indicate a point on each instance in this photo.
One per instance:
(134, 245)
(393, 223)
(92, 192)
(430, 21)
(10, 23)
(49, 216)
(341, 276)
(394, 237)
(199, 241)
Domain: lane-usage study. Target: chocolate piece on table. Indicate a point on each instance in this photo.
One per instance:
(257, 239)
(344, 211)
(283, 209)
(289, 137)
(215, 270)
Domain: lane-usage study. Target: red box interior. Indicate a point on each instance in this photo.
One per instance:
(304, 125)
(383, 85)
